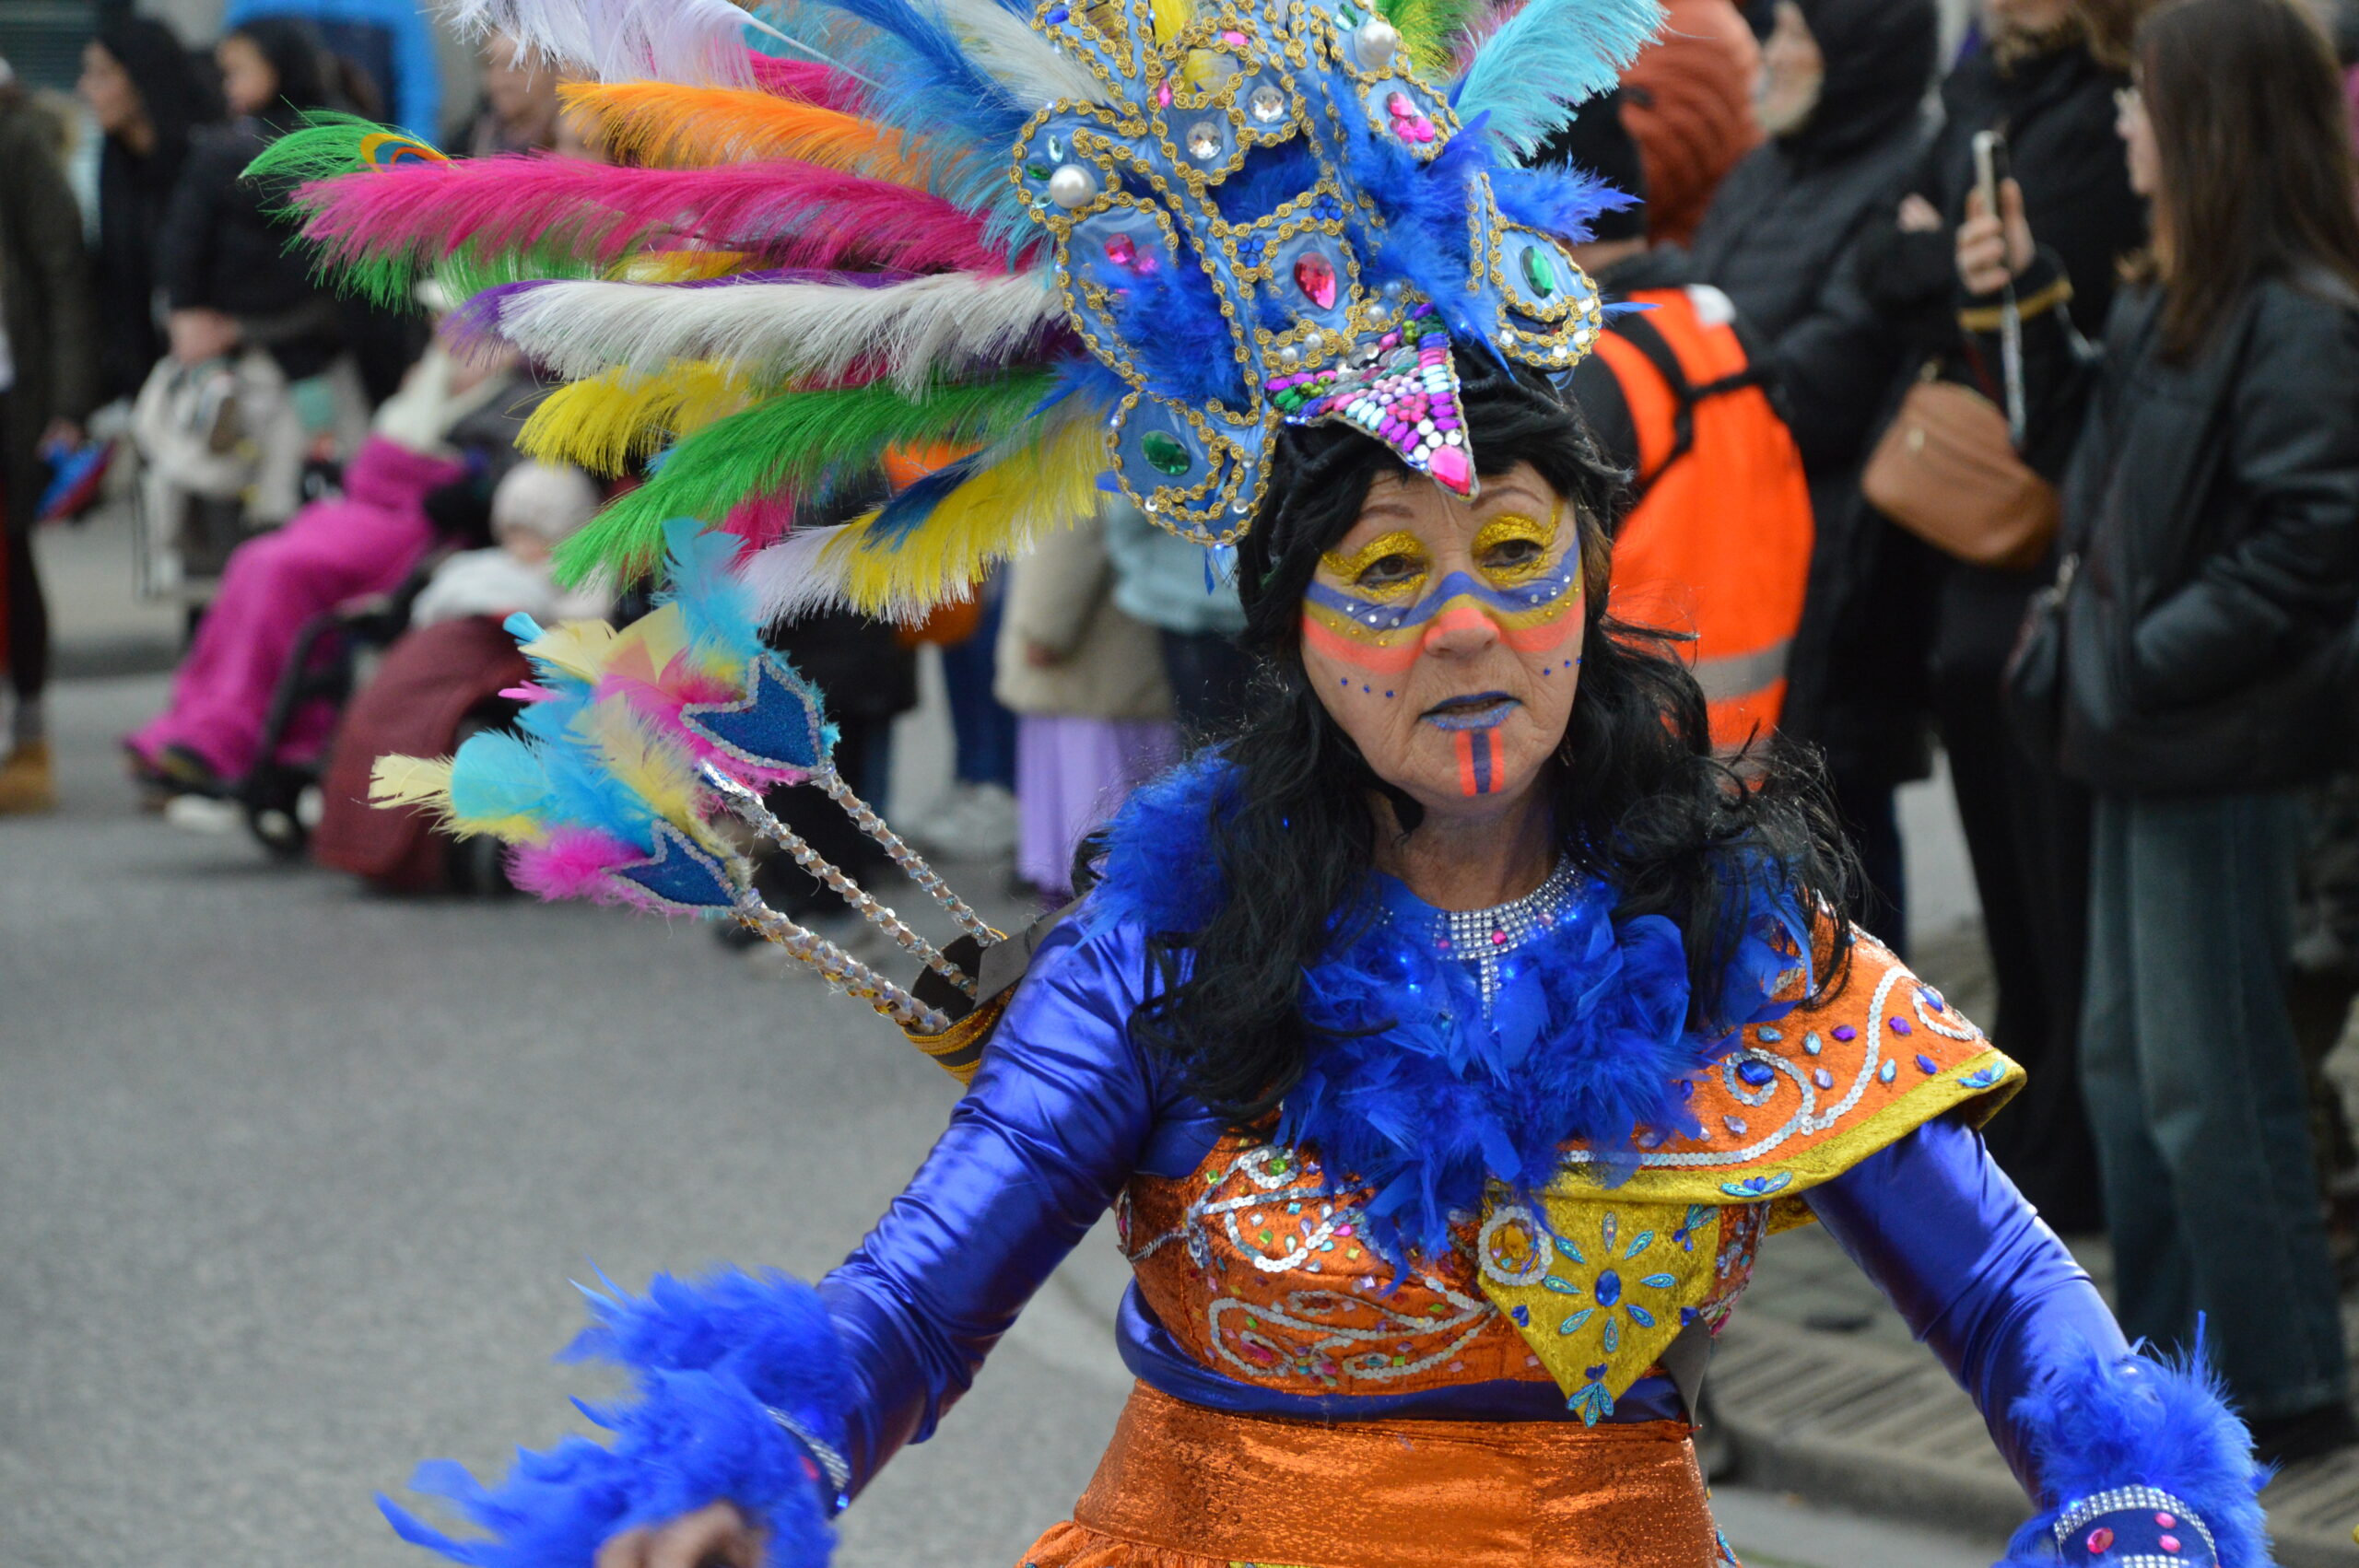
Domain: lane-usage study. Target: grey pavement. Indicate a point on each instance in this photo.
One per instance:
(293, 1177)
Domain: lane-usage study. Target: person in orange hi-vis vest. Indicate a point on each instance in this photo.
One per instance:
(1717, 544)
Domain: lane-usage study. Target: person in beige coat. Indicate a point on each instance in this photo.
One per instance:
(1093, 711)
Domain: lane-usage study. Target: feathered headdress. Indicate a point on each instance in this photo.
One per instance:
(1109, 245)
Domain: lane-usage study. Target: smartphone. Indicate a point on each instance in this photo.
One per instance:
(1989, 166)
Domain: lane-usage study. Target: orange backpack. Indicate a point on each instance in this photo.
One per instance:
(1719, 543)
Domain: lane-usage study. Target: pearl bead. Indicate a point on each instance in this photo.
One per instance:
(1071, 186)
(1376, 40)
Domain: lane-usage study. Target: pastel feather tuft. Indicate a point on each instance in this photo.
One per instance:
(698, 41)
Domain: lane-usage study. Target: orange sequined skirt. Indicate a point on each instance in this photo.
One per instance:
(1186, 1487)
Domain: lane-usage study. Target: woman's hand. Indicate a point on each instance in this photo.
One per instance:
(715, 1536)
(1993, 250)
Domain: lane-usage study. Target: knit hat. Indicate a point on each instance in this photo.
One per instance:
(551, 499)
(1687, 99)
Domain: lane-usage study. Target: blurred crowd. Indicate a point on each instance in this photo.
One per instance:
(1995, 398)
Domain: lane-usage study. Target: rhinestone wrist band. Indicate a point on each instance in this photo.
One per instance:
(2135, 1527)
(829, 1459)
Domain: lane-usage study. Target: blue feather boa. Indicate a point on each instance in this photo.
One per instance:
(1422, 1094)
(2099, 1421)
(709, 1361)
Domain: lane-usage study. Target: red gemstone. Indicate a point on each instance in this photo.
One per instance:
(2100, 1540)
(1120, 250)
(2169, 1544)
(2166, 1521)
(1315, 275)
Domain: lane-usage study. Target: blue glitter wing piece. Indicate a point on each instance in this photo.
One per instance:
(680, 876)
(778, 723)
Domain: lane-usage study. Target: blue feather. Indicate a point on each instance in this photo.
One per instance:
(713, 600)
(1548, 55)
(496, 774)
(709, 1361)
(2098, 1421)
(907, 512)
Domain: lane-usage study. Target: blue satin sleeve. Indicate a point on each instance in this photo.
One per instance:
(1061, 1111)
(1973, 1269)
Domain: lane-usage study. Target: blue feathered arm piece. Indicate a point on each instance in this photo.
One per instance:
(2142, 1459)
(740, 1392)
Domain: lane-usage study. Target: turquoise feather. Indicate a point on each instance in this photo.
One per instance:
(1551, 54)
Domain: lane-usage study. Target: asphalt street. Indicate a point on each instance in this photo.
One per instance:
(293, 1179)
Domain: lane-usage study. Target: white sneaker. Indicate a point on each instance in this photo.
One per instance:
(203, 813)
(981, 825)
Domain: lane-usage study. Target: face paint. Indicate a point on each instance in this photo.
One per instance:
(1478, 757)
(1379, 617)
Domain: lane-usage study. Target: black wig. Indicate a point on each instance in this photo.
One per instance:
(1640, 797)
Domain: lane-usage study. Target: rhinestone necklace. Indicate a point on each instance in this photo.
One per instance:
(1484, 937)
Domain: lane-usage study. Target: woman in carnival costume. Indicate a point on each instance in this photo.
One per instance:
(1447, 1040)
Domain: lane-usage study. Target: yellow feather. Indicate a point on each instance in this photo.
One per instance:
(680, 267)
(425, 783)
(998, 513)
(580, 649)
(411, 781)
(1171, 18)
(604, 423)
(657, 772)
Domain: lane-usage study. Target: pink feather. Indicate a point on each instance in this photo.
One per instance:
(789, 213)
(760, 519)
(809, 82)
(574, 863)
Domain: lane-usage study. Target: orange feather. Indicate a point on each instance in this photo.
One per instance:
(662, 125)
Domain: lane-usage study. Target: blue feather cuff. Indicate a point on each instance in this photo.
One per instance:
(740, 1392)
(2133, 1452)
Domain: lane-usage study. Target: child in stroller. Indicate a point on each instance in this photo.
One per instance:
(444, 679)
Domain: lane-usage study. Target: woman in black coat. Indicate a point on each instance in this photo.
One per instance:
(228, 275)
(146, 95)
(2203, 651)
(2046, 79)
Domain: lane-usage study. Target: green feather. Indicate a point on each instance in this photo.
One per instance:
(327, 143)
(792, 442)
(1432, 30)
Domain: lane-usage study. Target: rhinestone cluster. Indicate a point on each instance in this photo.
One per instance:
(1404, 393)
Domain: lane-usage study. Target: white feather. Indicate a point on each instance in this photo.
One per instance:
(694, 42)
(1007, 49)
(789, 579)
(783, 332)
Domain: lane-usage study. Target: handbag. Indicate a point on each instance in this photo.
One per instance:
(1947, 470)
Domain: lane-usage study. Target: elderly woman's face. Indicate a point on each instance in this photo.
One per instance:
(1445, 635)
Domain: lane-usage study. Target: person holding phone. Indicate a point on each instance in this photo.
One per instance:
(2202, 641)
(1903, 632)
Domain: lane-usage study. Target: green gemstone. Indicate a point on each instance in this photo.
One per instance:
(1539, 270)
(1037, 170)
(1166, 453)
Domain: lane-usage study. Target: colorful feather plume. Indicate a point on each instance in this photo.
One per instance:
(987, 509)
(836, 235)
(797, 441)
